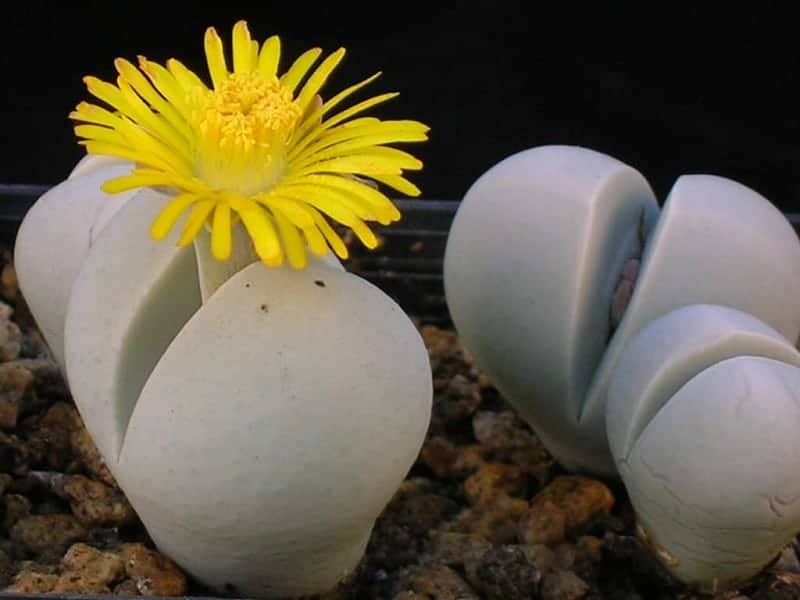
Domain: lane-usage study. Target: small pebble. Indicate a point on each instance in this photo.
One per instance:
(9, 285)
(48, 448)
(450, 462)
(455, 549)
(563, 585)
(62, 416)
(32, 582)
(35, 348)
(154, 574)
(500, 432)
(106, 567)
(470, 459)
(541, 557)
(504, 573)
(96, 504)
(79, 583)
(565, 556)
(47, 533)
(126, 588)
(441, 344)
(588, 553)
(439, 455)
(84, 449)
(16, 383)
(6, 311)
(495, 522)
(17, 507)
(437, 582)
(10, 341)
(589, 548)
(420, 514)
(543, 523)
(493, 479)
(459, 401)
(579, 497)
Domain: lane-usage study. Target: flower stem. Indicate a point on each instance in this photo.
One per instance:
(213, 272)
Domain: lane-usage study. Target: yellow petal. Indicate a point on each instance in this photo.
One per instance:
(343, 139)
(365, 234)
(185, 77)
(331, 196)
(169, 215)
(269, 57)
(126, 153)
(315, 240)
(395, 158)
(292, 242)
(293, 210)
(299, 68)
(242, 49)
(318, 79)
(357, 108)
(312, 120)
(333, 239)
(136, 79)
(152, 177)
(91, 113)
(221, 232)
(380, 204)
(107, 92)
(356, 164)
(215, 57)
(323, 202)
(99, 133)
(196, 220)
(399, 158)
(399, 183)
(262, 232)
(139, 139)
(166, 84)
(158, 127)
(317, 130)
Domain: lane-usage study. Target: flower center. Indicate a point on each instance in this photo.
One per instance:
(242, 128)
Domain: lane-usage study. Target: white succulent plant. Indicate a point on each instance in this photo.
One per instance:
(257, 430)
(653, 344)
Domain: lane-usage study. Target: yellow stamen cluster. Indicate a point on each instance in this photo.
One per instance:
(243, 128)
(255, 146)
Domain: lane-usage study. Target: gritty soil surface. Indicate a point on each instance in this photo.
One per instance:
(484, 512)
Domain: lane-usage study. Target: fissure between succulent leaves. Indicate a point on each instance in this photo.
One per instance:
(628, 278)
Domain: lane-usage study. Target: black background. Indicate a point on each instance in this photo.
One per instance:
(670, 88)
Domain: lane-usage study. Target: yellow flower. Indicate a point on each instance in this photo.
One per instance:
(255, 146)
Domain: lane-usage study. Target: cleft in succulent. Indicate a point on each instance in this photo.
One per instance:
(627, 279)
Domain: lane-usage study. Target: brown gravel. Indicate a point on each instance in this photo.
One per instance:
(484, 513)
(153, 574)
